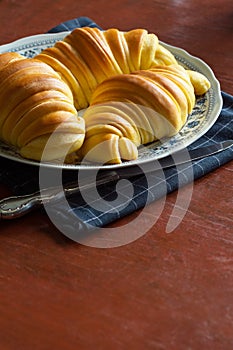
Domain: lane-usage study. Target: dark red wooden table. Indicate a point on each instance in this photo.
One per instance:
(163, 291)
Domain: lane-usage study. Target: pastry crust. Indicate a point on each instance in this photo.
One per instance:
(91, 56)
(41, 104)
(138, 108)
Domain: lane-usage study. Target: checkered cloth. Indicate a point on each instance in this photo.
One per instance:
(22, 178)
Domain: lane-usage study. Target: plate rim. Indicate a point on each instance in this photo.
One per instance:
(194, 61)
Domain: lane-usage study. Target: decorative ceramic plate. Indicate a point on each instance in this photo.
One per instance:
(204, 115)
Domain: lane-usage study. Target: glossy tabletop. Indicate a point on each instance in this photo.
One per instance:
(162, 291)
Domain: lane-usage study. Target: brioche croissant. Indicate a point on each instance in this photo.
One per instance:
(134, 109)
(35, 102)
(88, 56)
(136, 90)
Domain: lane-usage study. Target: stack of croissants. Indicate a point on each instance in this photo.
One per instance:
(98, 95)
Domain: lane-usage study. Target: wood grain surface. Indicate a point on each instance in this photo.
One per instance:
(163, 291)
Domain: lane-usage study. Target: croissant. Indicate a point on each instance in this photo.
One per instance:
(88, 56)
(130, 110)
(35, 102)
(137, 91)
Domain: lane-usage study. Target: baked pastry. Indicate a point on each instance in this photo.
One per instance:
(35, 103)
(130, 110)
(88, 56)
(200, 83)
(137, 91)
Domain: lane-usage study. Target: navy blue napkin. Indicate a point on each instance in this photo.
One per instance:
(160, 183)
(74, 23)
(92, 213)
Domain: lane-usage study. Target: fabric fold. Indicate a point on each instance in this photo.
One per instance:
(74, 23)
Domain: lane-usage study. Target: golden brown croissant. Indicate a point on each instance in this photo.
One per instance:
(35, 102)
(138, 93)
(88, 56)
(200, 83)
(134, 109)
